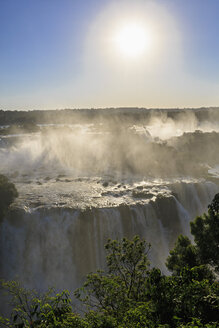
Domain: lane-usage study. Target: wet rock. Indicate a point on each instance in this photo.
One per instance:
(141, 194)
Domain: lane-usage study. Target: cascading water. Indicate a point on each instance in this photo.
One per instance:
(77, 189)
(58, 247)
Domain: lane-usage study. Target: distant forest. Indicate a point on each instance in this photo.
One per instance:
(73, 116)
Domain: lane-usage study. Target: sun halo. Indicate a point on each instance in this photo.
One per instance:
(132, 40)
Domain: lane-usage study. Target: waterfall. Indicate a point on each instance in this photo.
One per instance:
(59, 246)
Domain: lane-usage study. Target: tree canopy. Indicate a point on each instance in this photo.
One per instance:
(8, 193)
(205, 250)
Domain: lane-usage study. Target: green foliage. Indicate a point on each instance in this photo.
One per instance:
(100, 320)
(135, 296)
(8, 193)
(183, 255)
(196, 323)
(128, 261)
(205, 230)
(214, 206)
(205, 251)
(191, 264)
(32, 310)
(141, 316)
(131, 295)
(178, 298)
(123, 283)
(195, 296)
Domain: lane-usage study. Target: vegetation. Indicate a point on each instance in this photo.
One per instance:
(8, 193)
(130, 294)
(205, 251)
(206, 232)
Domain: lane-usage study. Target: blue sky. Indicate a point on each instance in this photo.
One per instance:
(51, 55)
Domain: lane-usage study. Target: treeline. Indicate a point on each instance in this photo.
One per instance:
(131, 294)
(71, 116)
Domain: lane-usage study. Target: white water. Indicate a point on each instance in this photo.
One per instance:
(79, 186)
(58, 247)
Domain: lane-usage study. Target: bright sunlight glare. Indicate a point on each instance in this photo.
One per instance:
(132, 40)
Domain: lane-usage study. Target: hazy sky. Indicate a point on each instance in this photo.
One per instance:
(60, 53)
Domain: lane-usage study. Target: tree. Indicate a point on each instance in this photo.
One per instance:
(8, 193)
(205, 250)
(127, 295)
(183, 255)
(48, 310)
(205, 230)
(195, 296)
(123, 283)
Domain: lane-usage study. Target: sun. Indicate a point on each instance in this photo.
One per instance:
(132, 40)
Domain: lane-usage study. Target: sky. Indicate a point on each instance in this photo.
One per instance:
(65, 54)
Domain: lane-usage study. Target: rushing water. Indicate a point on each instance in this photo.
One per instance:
(80, 185)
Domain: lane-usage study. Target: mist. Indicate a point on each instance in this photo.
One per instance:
(84, 176)
(159, 146)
